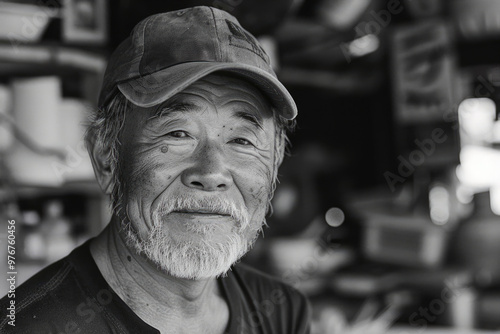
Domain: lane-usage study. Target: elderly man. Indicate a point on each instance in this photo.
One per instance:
(187, 141)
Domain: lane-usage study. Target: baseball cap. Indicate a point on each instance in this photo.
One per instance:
(167, 52)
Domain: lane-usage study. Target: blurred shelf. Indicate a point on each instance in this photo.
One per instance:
(89, 188)
(34, 58)
(370, 279)
(435, 330)
(345, 82)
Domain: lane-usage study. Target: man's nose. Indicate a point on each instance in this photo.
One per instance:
(209, 172)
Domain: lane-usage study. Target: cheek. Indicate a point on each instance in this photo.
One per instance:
(139, 177)
(255, 185)
(147, 166)
(141, 192)
(145, 177)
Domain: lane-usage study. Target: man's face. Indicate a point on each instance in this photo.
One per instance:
(197, 173)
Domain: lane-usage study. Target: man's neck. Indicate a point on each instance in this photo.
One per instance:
(161, 300)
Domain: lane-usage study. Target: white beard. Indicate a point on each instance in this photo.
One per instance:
(203, 257)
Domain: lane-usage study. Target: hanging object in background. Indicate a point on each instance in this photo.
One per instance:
(85, 21)
(36, 104)
(424, 72)
(341, 14)
(424, 8)
(477, 119)
(326, 42)
(6, 137)
(479, 158)
(476, 19)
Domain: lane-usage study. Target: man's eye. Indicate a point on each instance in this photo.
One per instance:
(177, 134)
(242, 141)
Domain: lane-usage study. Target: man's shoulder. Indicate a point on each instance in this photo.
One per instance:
(51, 300)
(268, 286)
(38, 299)
(266, 303)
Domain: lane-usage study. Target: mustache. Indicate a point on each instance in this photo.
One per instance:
(215, 205)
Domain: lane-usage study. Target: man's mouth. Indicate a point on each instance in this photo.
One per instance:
(204, 212)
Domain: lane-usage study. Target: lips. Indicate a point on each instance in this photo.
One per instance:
(201, 212)
(200, 215)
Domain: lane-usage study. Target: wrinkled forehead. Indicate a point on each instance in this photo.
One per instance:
(218, 89)
(216, 92)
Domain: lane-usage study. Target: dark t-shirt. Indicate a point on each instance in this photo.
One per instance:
(71, 296)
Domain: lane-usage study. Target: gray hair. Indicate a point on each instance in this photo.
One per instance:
(105, 128)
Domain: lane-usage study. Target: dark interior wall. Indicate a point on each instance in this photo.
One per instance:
(357, 128)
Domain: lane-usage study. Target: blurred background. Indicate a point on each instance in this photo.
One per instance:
(387, 211)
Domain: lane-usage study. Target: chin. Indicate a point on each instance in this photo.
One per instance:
(206, 255)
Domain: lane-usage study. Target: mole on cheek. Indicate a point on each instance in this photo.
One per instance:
(164, 149)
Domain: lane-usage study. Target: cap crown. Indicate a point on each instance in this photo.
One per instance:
(189, 35)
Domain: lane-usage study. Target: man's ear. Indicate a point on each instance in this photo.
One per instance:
(99, 156)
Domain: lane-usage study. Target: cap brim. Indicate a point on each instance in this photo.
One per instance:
(155, 88)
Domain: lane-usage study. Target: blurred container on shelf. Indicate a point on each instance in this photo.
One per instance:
(56, 232)
(305, 263)
(477, 241)
(401, 238)
(475, 19)
(33, 245)
(53, 150)
(72, 117)
(24, 23)
(36, 102)
(35, 107)
(6, 138)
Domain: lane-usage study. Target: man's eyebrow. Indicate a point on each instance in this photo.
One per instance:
(250, 117)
